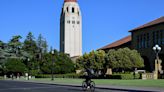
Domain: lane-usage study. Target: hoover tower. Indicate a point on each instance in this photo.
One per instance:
(71, 29)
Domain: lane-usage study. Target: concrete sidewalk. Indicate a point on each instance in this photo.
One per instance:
(110, 87)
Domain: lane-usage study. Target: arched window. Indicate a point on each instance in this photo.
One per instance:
(67, 9)
(78, 13)
(73, 9)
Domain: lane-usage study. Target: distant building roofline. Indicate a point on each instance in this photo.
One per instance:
(149, 24)
(117, 43)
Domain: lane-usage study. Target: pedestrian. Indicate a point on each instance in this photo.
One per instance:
(12, 76)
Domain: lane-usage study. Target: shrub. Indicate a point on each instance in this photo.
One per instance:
(34, 72)
(1, 77)
(71, 75)
(122, 76)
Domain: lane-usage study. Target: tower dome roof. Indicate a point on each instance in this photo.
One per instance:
(70, 0)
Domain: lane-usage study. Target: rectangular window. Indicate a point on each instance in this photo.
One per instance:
(73, 22)
(68, 21)
(162, 37)
(78, 22)
(144, 41)
(154, 38)
(148, 40)
(158, 37)
(73, 9)
(141, 41)
(138, 42)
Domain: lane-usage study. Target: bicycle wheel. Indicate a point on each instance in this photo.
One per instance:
(92, 86)
(84, 85)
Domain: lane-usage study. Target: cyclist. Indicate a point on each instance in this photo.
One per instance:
(88, 76)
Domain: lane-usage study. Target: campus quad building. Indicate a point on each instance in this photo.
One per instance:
(71, 29)
(143, 39)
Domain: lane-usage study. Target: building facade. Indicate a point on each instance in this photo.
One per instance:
(71, 29)
(143, 39)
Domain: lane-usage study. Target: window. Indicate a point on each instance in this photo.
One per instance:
(162, 40)
(78, 13)
(158, 41)
(144, 41)
(148, 40)
(138, 42)
(154, 42)
(73, 9)
(141, 41)
(67, 9)
(73, 22)
(161, 37)
(78, 22)
(68, 21)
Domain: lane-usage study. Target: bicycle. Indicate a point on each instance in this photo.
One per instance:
(91, 86)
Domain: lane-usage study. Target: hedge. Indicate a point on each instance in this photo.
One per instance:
(1, 77)
(71, 75)
(123, 76)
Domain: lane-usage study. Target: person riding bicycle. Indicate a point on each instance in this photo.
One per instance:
(88, 76)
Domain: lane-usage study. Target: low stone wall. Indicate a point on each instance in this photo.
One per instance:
(149, 76)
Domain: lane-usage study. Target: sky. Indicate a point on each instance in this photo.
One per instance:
(104, 21)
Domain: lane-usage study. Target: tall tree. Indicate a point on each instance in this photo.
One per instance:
(124, 58)
(94, 60)
(30, 44)
(14, 47)
(42, 44)
(15, 65)
(30, 52)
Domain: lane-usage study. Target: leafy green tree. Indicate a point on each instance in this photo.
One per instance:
(29, 44)
(46, 65)
(124, 58)
(63, 64)
(99, 59)
(15, 65)
(136, 59)
(94, 60)
(42, 44)
(15, 44)
(13, 48)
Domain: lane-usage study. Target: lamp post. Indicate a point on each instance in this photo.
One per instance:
(157, 49)
(52, 52)
(28, 60)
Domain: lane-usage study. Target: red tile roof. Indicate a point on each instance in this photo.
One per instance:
(154, 22)
(117, 43)
(70, 0)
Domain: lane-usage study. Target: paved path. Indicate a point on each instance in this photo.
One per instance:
(19, 86)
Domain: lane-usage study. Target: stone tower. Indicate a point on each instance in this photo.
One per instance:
(71, 29)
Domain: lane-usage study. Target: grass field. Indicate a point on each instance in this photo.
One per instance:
(1, 77)
(143, 83)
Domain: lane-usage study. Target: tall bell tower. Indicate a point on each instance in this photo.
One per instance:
(71, 29)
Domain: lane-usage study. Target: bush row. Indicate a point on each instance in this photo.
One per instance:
(123, 76)
(73, 75)
(1, 77)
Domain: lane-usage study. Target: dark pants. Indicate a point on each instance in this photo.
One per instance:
(88, 80)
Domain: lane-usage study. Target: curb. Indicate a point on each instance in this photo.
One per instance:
(98, 87)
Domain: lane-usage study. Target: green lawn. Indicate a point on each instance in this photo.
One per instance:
(1, 77)
(146, 83)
